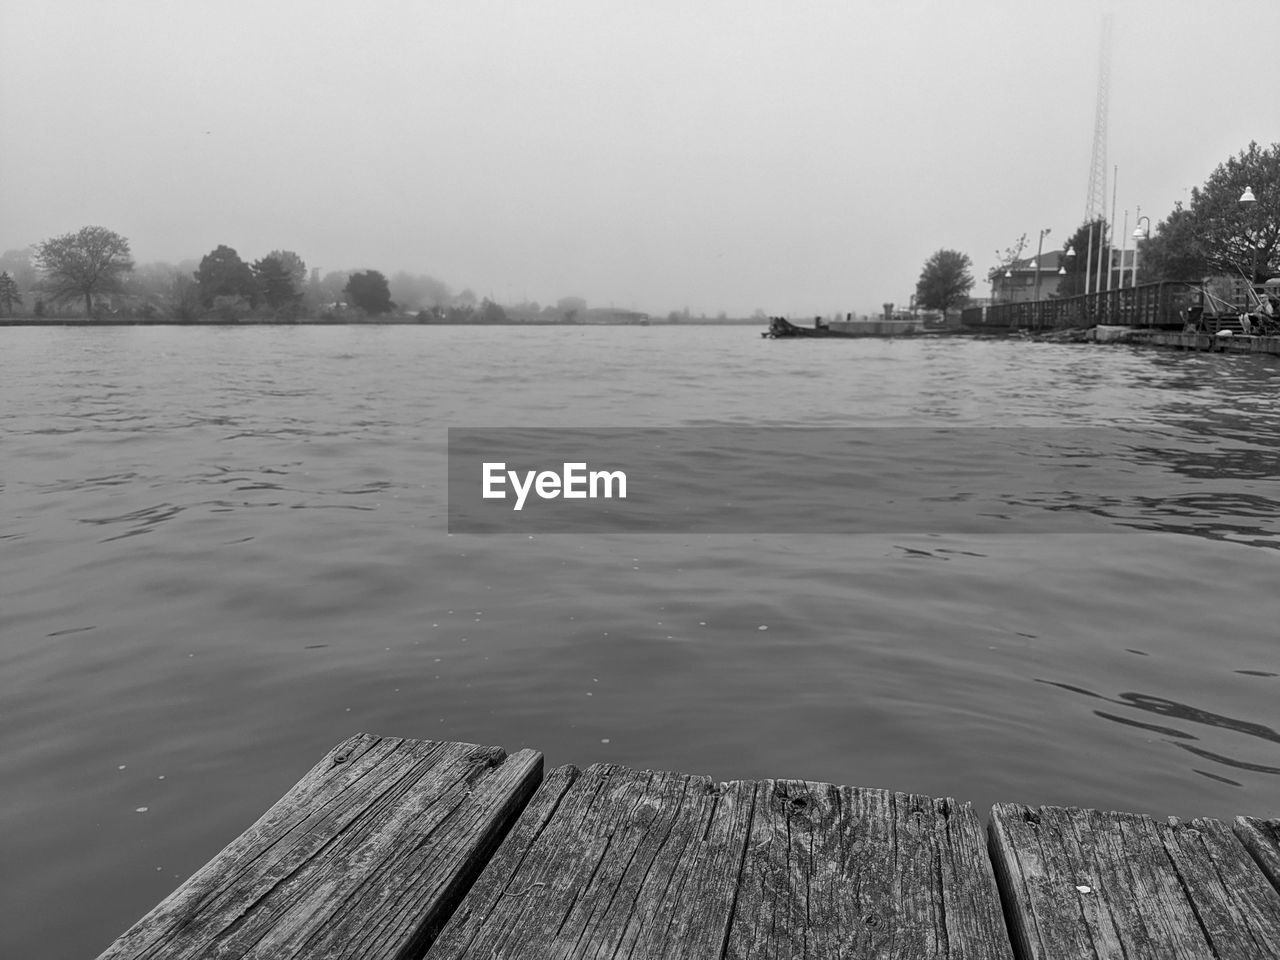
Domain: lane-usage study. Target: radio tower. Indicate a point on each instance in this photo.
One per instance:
(1096, 205)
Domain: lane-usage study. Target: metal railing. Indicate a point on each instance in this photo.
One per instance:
(1164, 303)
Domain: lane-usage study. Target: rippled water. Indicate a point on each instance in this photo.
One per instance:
(223, 550)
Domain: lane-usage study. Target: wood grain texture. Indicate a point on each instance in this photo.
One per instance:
(609, 863)
(364, 857)
(624, 864)
(846, 872)
(1086, 884)
(1262, 839)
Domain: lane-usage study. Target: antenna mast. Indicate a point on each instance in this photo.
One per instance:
(1096, 204)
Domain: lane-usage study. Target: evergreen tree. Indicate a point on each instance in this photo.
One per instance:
(223, 274)
(276, 284)
(9, 296)
(368, 290)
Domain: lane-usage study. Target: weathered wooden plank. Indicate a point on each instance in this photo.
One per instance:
(1091, 885)
(609, 863)
(365, 857)
(626, 864)
(1262, 839)
(845, 872)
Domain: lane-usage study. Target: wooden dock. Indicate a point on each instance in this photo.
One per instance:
(399, 849)
(1237, 343)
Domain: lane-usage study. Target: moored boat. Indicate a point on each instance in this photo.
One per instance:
(782, 327)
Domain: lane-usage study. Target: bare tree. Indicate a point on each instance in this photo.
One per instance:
(84, 263)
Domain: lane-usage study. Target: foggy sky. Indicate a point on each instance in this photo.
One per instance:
(797, 157)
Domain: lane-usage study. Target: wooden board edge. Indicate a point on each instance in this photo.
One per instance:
(147, 930)
(455, 934)
(151, 930)
(972, 903)
(1015, 903)
(1264, 850)
(518, 778)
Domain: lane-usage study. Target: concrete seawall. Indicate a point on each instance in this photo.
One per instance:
(1235, 343)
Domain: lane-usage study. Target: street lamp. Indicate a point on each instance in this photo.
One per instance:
(1139, 233)
(1036, 262)
(1247, 202)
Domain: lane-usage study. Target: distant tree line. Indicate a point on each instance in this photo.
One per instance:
(93, 268)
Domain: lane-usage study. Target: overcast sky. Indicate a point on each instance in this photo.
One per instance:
(793, 156)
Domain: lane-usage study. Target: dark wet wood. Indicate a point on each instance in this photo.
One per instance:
(1085, 884)
(619, 863)
(365, 857)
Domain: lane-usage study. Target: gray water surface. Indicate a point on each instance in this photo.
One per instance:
(223, 550)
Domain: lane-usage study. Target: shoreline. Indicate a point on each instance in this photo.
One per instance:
(315, 322)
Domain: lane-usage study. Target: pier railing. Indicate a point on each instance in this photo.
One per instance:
(1165, 303)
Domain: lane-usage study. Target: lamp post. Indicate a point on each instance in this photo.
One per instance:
(1036, 262)
(1062, 266)
(1088, 262)
(1139, 233)
(1008, 295)
(1124, 240)
(1247, 203)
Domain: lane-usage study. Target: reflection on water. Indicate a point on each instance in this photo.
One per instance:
(1181, 711)
(223, 550)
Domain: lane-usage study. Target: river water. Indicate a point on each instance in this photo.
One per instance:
(224, 550)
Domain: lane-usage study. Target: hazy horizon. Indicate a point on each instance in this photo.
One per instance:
(798, 158)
